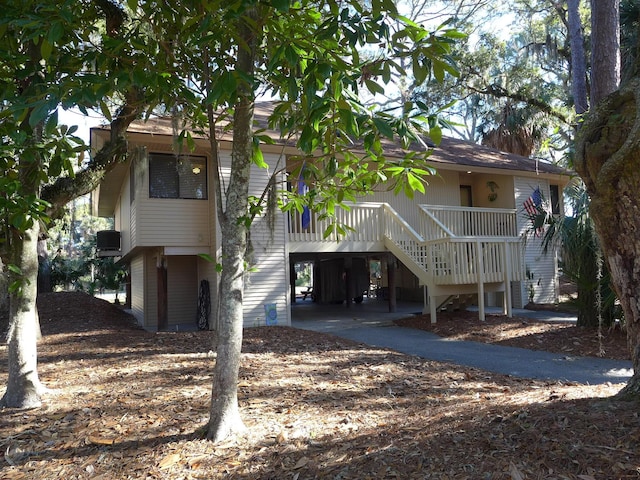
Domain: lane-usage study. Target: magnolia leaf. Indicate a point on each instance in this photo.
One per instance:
(383, 127)
(14, 269)
(45, 49)
(105, 110)
(435, 133)
(207, 257)
(280, 5)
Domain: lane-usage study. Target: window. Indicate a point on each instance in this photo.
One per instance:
(177, 176)
(555, 199)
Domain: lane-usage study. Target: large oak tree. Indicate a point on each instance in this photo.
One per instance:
(53, 55)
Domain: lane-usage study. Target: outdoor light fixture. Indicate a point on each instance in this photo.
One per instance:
(196, 170)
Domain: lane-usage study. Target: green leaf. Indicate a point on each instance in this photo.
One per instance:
(435, 133)
(258, 157)
(14, 269)
(374, 87)
(280, 5)
(45, 49)
(207, 257)
(415, 183)
(438, 70)
(38, 114)
(52, 124)
(383, 127)
(105, 110)
(420, 72)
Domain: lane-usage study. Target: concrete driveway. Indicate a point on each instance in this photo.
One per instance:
(372, 324)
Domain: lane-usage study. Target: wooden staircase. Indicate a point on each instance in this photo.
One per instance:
(455, 251)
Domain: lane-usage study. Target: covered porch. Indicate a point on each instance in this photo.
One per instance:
(451, 250)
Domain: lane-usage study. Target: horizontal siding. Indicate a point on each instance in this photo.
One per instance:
(542, 267)
(137, 288)
(443, 189)
(268, 283)
(172, 222)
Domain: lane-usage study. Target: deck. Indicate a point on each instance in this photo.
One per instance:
(452, 250)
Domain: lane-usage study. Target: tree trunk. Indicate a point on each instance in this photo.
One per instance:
(608, 160)
(23, 385)
(578, 58)
(225, 417)
(605, 51)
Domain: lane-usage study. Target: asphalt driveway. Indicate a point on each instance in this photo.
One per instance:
(372, 324)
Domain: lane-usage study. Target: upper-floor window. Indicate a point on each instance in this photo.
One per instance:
(177, 176)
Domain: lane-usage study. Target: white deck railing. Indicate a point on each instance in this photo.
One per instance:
(443, 251)
(469, 222)
(364, 220)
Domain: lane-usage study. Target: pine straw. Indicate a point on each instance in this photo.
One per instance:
(128, 404)
(558, 337)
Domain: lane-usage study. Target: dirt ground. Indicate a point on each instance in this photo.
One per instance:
(129, 404)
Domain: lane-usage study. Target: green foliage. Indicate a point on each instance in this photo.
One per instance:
(581, 259)
(317, 61)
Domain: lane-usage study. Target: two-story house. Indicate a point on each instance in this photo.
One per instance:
(463, 236)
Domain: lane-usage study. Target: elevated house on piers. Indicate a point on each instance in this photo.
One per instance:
(460, 242)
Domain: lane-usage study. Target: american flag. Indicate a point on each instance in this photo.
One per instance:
(533, 208)
(533, 203)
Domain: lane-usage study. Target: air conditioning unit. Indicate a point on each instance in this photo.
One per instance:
(108, 240)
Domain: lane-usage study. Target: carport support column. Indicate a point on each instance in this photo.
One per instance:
(348, 280)
(292, 280)
(391, 281)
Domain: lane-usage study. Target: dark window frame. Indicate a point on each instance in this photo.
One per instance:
(175, 177)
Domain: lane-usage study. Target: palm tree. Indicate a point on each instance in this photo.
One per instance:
(582, 259)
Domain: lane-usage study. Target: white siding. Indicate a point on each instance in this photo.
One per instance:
(136, 274)
(172, 222)
(443, 189)
(268, 283)
(542, 267)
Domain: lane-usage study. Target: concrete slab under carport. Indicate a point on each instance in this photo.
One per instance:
(372, 312)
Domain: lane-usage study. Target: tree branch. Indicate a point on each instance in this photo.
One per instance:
(65, 189)
(499, 92)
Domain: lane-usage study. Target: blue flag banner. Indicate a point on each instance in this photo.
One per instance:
(302, 190)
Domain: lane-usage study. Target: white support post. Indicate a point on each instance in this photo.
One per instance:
(480, 265)
(508, 307)
(432, 308)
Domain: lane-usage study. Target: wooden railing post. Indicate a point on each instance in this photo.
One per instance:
(480, 266)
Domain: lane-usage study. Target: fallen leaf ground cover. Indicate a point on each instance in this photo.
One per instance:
(558, 337)
(130, 404)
